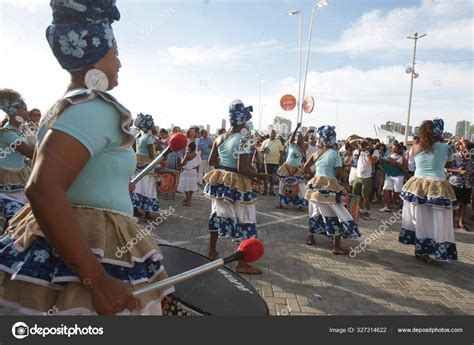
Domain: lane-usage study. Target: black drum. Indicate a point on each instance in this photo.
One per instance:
(221, 292)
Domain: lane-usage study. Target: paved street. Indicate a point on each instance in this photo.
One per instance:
(384, 279)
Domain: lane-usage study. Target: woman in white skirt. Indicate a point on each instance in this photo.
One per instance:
(233, 208)
(327, 214)
(145, 195)
(429, 199)
(189, 174)
(291, 188)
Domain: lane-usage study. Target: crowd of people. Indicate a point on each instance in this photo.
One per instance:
(68, 201)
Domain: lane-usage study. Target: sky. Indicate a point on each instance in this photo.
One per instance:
(184, 62)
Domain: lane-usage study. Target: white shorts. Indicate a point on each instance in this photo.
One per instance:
(394, 183)
(352, 175)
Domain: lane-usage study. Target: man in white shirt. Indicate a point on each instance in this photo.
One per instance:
(363, 183)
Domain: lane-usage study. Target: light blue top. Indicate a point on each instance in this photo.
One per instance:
(142, 144)
(327, 163)
(431, 164)
(205, 146)
(103, 182)
(10, 158)
(295, 156)
(230, 150)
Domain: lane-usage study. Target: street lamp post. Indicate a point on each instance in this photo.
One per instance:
(413, 76)
(261, 116)
(259, 94)
(300, 62)
(320, 4)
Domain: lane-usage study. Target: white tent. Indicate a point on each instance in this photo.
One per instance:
(387, 136)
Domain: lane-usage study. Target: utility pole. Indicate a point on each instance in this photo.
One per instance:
(413, 76)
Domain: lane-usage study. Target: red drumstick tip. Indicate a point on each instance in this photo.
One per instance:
(178, 142)
(252, 250)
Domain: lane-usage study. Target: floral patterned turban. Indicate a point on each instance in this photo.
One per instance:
(81, 32)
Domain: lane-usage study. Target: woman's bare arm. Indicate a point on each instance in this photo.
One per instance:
(25, 150)
(151, 151)
(214, 156)
(58, 162)
(245, 168)
(308, 164)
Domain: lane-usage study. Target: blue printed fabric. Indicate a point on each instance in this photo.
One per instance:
(410, 197)
(228, 227)
(295, 200)
(10, 207)
(332, 226)
(327, 134)
(81, 32)
(11, 187)
(326, 192)
(231, 194)
(428, 246)
(144, 203)
(39, 263)
(238, 113)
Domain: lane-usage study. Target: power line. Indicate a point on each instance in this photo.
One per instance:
(445, 61)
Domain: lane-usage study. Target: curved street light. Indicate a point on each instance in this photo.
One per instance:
(318, 5)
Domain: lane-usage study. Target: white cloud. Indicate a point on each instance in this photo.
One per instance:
(217, 54)
(378, 95)
(448, 24)
(30, 5)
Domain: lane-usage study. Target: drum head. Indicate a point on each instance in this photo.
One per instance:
(290, 181)
(221, 292)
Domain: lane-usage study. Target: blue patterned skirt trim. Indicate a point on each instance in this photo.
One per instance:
(11, 187)
(427, 200)
(10, 207)
(232, 194)
(428, 246)
(144, 203)
(295, 200)
(40, 265)
(324, 189)
(228, 227)
(332, 226)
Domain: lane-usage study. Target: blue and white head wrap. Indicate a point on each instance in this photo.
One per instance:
(327, 134)
(12, 107)
(144, 122)
(81, 32)
(238, 113)
(438, 127)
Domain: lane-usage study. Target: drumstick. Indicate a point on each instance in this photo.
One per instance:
(177, 143)
(249, 251)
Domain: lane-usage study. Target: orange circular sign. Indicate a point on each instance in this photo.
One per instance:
(288, 102)
(308, 105)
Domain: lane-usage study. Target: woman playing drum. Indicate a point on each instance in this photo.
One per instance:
(230, 185)
(77, 248)
(292, 177)
(327, 214)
